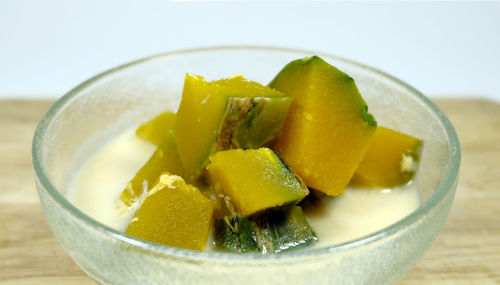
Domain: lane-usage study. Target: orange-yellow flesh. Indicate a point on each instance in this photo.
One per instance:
(328, 129)
(174, 213)
(165, 158)
(201, 112)
(391, 160)
(155, 129)
(254, 180)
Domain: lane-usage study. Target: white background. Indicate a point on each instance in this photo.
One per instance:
(442, 48)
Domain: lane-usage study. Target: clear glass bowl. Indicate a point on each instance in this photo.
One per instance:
(109, 103)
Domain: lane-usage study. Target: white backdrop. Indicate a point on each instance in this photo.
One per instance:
(441, 48)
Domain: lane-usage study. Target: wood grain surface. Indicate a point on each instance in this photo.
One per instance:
(466, 252)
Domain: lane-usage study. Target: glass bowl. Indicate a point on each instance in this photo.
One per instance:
(109, 103)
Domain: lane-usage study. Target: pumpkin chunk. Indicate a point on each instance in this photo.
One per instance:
(173, 213)
(328, 128)
(255, 180)
(270, 232)
(225, 114)
(391, 160)
(155, 130)
(236, 234)
(165, 158)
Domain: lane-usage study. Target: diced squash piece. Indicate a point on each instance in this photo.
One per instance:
(283, 230)
(328, 128)
(173, 213)
(165, 158)
(225, 114)
(255, 180)
(155, 130)
(236, 234)
(270, 232)
(391, 160)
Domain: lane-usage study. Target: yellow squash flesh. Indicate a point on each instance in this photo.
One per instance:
(391, 160)
(165, 158)
(155, 130)
(254, 180)
(328, 128)
(174, 213)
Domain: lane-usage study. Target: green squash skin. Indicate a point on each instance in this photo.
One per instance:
(280, 231)
(274, 231)
(237, 236)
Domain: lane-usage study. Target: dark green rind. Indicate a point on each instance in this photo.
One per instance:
(283, 230)
(271, 232)
(303, 186)
(235, 234)
(367, 116)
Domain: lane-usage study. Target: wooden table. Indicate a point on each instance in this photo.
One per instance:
(466, 252)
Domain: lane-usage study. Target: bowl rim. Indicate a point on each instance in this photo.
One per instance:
(446, 185)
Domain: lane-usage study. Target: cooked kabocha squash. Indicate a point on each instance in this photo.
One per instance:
(270, 232)
(165, 158)
(155, 130)
(254, 180)
(283, 230)
(391, 160)
(173, 213)
(236, 234)
(225, 114)
(328, 128)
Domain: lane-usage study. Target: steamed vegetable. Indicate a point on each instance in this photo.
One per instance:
(225, 114)
(165, 158)
(391, 160)
(328, 128)
(253, 151)
(255, 180)
(173, 213)
(271, 232)
(156, 129)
